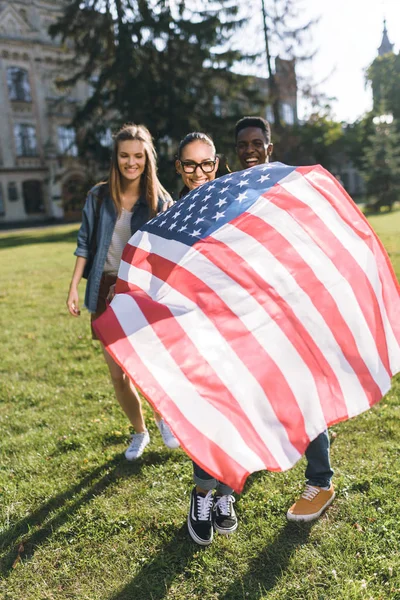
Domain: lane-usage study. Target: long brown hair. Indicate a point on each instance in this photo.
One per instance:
(150, 185)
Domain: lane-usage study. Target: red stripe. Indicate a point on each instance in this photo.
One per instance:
(208, 455)
(343, 261)
(333, 192)
(277, 308)
(245, 345)
(201, 374)
(317, 292)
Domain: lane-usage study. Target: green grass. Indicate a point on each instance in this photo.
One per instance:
(79, 522)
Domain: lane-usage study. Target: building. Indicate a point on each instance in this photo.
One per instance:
(40, 176)
(386, 47)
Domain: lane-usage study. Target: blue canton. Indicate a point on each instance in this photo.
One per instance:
(204, 210)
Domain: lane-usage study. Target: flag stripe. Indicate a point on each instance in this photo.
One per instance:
(268, 274)
(292, 357)
(347, 223)
(329, 291)
(207, 359)
(246, 342)
(210, 456)
(368, 296)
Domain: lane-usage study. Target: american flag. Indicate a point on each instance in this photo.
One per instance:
(254, 313)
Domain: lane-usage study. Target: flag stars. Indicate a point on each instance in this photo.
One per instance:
(182, 228)
(223, 190)
(218, 215)
(191, 207)
(178, 212)
(203, 208)
(241, 197)
(172, 226)
(206, 198)
(263, 178)
(187, 217)
(221, 202)
(243, 182)
(195, 233)
(198, 220)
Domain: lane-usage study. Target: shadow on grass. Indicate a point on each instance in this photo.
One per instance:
(11, 241)
(266, 569)
(63, 506)
(155, 577)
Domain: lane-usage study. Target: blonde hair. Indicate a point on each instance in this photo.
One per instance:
(150, 185)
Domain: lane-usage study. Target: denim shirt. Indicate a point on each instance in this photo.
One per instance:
(105, 228)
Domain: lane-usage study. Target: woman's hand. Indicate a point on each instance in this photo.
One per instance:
(167, 205)
(73, 302)
(111, 293)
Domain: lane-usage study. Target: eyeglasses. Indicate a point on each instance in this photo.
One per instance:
(207, 166)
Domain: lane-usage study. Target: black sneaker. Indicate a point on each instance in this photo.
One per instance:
(225, 519)
(199, 518)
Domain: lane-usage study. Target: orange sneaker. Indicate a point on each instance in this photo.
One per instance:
(312, 503)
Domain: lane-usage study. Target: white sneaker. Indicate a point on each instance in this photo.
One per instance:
(168, 437)
(138, 443)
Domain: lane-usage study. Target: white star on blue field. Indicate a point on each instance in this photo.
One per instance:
(216, 203)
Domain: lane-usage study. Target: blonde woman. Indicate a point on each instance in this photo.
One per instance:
(113, 211)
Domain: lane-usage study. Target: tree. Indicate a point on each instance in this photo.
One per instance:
(157, 62)
(384, 76)
(318, 140)
(382, 162)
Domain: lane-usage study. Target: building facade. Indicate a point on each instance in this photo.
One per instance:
(40, 175)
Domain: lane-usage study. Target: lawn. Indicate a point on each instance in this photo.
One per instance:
(79, 522)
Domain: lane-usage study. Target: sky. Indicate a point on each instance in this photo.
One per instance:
(347, 38)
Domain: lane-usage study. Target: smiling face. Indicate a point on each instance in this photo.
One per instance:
(252, 147)
(131, 158)
(193, 155)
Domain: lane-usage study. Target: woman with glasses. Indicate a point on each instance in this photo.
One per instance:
(197, 163)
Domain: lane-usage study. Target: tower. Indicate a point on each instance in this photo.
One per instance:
(385, 47)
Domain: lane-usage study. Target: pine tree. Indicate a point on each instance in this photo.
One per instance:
(157, 62)
(382, 163)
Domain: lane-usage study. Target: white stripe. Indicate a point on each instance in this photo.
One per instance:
(297, 185)
(254, 317)
(269, 268)
(200, 413)
(333, 281)
(225, 362)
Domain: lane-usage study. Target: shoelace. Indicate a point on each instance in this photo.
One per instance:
(224, 503)
(137, 441)
(204, 505)
(310, 492)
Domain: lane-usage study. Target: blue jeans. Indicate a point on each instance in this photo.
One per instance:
(207, 482)
(319, 471)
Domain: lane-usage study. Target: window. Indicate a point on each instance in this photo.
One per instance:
(287, 113)
(25, 140)
(18, 84)
(33, 196)
(12, 191)
(67, 141)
